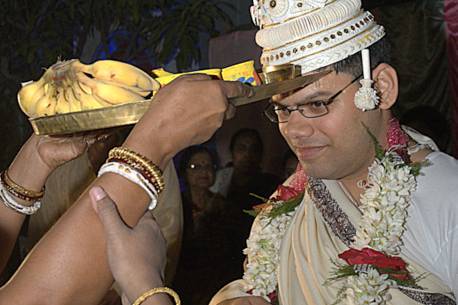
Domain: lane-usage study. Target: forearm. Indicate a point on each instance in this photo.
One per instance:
(31, 173)
(69, 265)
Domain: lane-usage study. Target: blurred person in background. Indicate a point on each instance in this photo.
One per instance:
(208, 232)
(431, 123)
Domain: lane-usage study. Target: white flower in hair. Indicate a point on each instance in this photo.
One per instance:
(366, 98)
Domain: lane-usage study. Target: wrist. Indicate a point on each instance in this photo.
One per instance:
(157, 151)
(28, 169)
(141, 285)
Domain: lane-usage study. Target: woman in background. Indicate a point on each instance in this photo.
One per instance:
(208, 232)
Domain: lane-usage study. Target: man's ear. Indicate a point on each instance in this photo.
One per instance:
(386, 84)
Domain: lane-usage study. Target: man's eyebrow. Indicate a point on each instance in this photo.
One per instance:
(318, 93)
(308, 97)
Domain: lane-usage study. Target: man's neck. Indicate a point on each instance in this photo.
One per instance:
(354, 186)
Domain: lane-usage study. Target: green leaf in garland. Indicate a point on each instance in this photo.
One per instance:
(379, 151)
(253, 213)
(286, 206)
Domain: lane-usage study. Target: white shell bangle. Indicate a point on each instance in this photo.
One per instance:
(134, 176)
(11, 203)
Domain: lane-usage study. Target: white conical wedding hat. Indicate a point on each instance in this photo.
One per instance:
(312, 33)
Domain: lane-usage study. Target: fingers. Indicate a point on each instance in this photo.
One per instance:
(147, 220)
(107, 211)
(149, 225)
(195, 77)
(235, 89)
(230, 112)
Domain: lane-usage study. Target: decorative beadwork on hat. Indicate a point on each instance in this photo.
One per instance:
(312, 33)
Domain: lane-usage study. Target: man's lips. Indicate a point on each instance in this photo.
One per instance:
(309, 152)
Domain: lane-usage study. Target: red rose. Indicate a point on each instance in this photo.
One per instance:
(372, 257)
(285, 193)
(272, 296)
(403, 275)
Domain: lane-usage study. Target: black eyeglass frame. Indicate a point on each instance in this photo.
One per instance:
(290, 109)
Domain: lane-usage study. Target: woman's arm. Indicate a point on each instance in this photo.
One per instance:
(31, 167)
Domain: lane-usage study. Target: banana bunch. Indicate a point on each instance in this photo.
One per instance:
(71, 86)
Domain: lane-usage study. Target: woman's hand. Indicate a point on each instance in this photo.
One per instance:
(55, 151)
(40, 155)
(136, 256)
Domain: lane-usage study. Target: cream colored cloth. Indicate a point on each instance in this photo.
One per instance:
(308, 248)
(66, 184)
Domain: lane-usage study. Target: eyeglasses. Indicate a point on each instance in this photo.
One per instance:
(278, 113)
(200, 167)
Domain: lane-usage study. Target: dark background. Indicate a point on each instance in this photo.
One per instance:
(146, 33)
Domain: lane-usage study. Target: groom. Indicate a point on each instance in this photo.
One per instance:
(349, 202)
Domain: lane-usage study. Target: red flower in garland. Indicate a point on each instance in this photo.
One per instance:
(285, 193)
(392, 265)
(273, 297)
(295, 188)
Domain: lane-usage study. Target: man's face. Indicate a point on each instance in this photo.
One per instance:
(246, 153)
(336, 145)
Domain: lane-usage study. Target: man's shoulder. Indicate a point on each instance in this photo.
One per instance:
(440, 170)
(437, 185)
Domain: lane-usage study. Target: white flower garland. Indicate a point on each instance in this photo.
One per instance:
(384, 207)
(368, 288)
(263, 247)
(384, 213)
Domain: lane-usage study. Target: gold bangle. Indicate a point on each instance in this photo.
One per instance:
(18, 190)
(130, 156)
(154, 291)
(134, 159)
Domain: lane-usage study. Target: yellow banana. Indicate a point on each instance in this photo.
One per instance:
(120, 72)
(72, 99)
(62, 105)
(108, 92)
(29, 94)
(89, 101)
(137, 90)
(45, 106)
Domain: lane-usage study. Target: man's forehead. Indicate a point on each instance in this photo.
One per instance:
(323, 86)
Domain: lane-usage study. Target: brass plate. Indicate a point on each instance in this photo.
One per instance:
(69, 123)
(131, 113)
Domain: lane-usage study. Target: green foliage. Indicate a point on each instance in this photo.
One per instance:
(277, 209)
(415, 168)
(379, 151)
(36, 33)
(287, 206)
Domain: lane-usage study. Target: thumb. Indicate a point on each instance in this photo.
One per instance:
(107, 211)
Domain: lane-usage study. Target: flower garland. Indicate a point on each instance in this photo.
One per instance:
(263, 245)
(370, 271)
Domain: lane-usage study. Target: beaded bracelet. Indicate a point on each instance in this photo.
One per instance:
(9, 202)
(134, 176)
(154, 291)
(138, 168)
(18, 190)
(138, 161)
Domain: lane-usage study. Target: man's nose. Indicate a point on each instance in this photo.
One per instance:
(298, 126)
